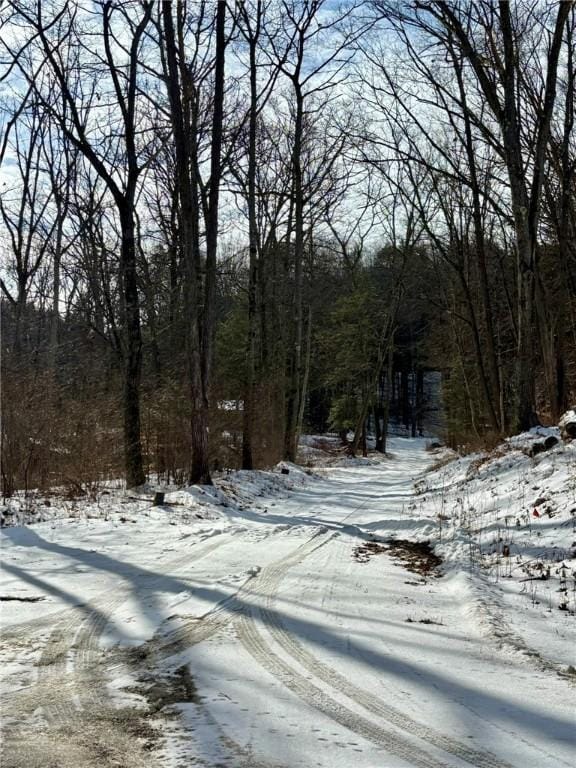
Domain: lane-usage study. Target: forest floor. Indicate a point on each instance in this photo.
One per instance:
(375, 613)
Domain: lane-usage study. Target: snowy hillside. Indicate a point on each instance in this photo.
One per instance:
(506, 527)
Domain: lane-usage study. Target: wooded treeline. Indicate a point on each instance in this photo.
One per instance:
(226, 222)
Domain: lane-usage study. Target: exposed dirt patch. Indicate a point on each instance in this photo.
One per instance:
(416, 556)
(106, 738)
(100, 734)
(175, 688)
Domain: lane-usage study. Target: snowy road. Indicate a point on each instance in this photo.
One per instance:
(264, 639)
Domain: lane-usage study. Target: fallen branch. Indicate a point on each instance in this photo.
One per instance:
(6, 598)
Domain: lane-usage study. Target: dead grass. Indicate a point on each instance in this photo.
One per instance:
(410, 620)
(442, 461)
(465, 443)
(500, 450)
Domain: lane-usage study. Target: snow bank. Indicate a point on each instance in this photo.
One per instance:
(110, 502)
(507, 532)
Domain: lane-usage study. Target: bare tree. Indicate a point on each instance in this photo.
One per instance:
(114, 80)
(487, 37)
(200, 276)
(25, 210)
(311, 82)
(254, 27)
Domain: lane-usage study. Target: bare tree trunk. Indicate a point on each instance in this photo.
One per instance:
(200, 464)
(294, 375)
(484, 379)
(306, 375)
(55, 312)
(132, 353)
(199, 304)
(492, 390)
(419, 399)
(377, 410)
(389, 395)
(253, 267)
(405, 397)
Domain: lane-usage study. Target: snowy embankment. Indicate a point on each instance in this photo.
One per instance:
(298, 619)
(507, 532)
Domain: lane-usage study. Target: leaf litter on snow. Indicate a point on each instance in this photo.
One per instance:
(416, 556)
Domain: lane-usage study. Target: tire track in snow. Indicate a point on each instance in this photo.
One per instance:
(197, 630)
(392, 742)
(77, 698)
(93, 694)
(87, 659)
(268, 584)
(88, 680)
(27, 629)
(367, 700)
(68, 698)
(62, 693)
(256, 646)
(193, 631)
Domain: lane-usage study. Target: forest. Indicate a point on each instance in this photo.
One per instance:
(227, 224)
(288, 383)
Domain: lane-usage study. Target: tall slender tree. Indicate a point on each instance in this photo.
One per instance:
(117, 161)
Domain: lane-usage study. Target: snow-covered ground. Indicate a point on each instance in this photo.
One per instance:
(299, 619)
(507, 528)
